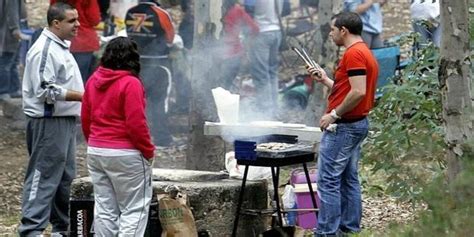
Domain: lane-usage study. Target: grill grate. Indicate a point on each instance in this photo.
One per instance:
(246, 148)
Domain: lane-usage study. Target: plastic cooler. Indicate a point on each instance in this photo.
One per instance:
(298, 176)
(305, 219)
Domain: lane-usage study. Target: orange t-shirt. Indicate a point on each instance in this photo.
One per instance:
(357, 61)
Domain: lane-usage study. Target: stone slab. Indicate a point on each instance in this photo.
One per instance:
(187, 175)
(213, 199)
(230, 131)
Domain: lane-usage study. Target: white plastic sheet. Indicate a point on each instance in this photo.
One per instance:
(237, 171)
(227, 105)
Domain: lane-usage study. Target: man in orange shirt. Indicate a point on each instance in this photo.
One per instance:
(345, 126)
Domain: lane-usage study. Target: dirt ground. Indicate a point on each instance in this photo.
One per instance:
(378, 211)
(14, 161)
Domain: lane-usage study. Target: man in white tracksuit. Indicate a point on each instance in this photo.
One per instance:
(52, 91)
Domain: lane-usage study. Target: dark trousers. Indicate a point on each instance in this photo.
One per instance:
(86, 62)
(52, 167)
(230, 69)
(181, 83)
(155, 75)
(9, 80)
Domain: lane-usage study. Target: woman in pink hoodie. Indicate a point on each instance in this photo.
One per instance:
(120, 152)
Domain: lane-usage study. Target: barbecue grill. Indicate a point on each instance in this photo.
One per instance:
(248, 149)
(248, 154)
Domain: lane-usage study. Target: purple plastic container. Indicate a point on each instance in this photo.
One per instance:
(298, 176)
(305, 219)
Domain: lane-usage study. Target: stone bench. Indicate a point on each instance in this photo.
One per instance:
(212, 197)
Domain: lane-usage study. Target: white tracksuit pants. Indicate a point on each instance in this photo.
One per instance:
(122, 194)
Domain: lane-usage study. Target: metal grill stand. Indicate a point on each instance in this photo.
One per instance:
(275, 164)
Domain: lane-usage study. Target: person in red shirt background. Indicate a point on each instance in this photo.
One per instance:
(345, 126)
(236, 20)
(120, 152)
(86, 42)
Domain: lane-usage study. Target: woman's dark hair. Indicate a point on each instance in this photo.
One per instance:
(350, 20)
(121, 53)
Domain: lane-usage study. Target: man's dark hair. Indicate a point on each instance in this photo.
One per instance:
(350, 20)
(57, 11)
(121, 53)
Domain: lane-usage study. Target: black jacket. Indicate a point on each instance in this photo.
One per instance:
(150, 26)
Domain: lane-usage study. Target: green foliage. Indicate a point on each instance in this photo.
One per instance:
(406, 143)
(450, 207)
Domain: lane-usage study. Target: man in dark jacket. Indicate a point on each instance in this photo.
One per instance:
(9, 42)
(150, 26)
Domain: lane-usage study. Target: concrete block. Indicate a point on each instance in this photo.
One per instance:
(213, 198)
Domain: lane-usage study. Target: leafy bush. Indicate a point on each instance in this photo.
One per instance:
(450, 206)
(406, 142)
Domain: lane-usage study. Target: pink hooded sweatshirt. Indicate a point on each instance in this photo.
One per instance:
(113, 112)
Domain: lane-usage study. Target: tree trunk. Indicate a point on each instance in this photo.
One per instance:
(204, 152)
(455, 81)
(326, 54)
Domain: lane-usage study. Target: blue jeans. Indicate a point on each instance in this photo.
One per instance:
(372, 40)
(428, 32)
(264, 69)
(9, 82)
(338, 181)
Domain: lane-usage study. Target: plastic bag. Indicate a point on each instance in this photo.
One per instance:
(237, 171)
(289, 197)
(289, 202)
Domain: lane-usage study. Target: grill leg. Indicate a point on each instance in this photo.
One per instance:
(275, 177)
(311, 192)
(239, 203)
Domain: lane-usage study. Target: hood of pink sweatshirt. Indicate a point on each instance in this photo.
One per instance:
(106, 77)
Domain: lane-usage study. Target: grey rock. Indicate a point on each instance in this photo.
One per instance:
(213, 198)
